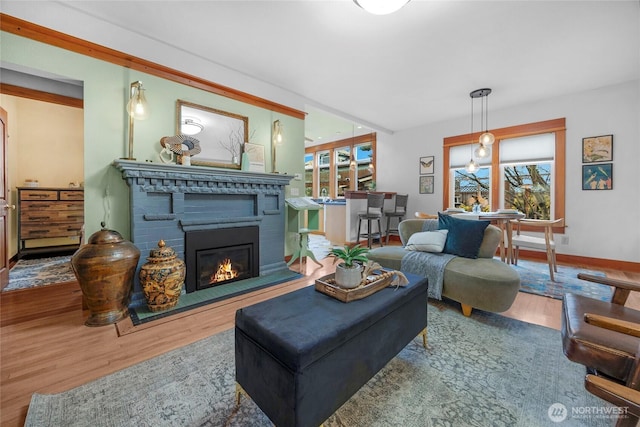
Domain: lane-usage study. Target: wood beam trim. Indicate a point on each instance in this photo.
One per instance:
(356, 140)
(39, 95)
(553, 125)
(45, 35)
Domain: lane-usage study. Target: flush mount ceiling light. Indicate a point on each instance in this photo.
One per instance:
(190, 126)
(381, 7)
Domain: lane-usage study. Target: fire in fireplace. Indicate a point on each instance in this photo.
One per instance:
(221, 256)
(217, 266)
(226, 271)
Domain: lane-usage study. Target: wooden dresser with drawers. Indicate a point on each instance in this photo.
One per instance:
(46, 214)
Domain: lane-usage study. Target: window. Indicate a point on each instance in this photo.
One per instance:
(308, 174)
(364, 165)
(345, 165)
(472, 188)
(324, 170)
(525, 171)
(527, 174)
(343, 173)
(469, 188)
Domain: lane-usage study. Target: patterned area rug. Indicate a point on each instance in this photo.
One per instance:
(487, 370)
(29, 273)
(535, 280)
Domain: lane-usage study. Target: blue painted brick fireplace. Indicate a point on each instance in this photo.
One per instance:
(166, 201)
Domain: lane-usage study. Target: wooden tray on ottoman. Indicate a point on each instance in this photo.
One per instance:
(327, 285)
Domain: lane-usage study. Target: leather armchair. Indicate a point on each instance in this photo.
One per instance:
(605, 337)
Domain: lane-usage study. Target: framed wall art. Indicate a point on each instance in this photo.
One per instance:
(222, 134)
(255, 156)
(426, 184)
(426, 165)
(597, 176)
(597, 149)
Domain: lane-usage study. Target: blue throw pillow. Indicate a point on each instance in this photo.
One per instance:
(465, 235)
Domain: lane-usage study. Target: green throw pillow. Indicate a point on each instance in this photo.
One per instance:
(465, 235)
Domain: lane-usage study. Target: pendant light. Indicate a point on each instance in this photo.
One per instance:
(487, 137)
(481, 152)
(472, 166)
(381, 7)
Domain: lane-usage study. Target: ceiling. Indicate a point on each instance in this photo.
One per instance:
(395, 72)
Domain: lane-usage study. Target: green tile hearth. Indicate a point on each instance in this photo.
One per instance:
(207, 296)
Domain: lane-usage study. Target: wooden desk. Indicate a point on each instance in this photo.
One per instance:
(502, 220)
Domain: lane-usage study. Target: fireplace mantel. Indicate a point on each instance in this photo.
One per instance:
(167, 200)
(197, 174)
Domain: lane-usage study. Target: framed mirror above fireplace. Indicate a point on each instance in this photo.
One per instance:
(221, 134)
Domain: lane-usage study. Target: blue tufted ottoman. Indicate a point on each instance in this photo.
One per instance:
(301, 355)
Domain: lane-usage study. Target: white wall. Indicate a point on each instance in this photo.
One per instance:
(601, 224)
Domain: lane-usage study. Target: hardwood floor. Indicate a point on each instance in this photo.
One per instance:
(45, 347)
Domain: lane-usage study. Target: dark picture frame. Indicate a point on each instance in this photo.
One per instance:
(426, 184)
(597, 149)
(597, 176)
(426, 165)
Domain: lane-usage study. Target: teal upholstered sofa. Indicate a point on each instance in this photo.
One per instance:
(484, 282)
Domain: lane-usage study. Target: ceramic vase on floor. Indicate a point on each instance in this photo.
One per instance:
(162, 278)
(105, 268)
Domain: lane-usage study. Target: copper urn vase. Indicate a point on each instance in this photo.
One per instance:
(162, 278)
(105, 268)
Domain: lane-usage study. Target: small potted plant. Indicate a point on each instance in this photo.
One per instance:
(349, 272)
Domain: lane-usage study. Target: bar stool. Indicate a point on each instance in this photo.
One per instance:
(375, 203)
(399, 212)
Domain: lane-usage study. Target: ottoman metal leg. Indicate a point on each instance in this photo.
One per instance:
(424, 337)
(239, 392)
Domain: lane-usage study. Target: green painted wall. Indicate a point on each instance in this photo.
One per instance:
(106, 91)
